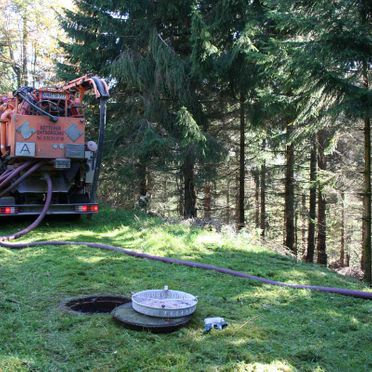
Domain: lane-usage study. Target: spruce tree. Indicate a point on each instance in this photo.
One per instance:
(329, 56)
(229, 38)
(145, 49)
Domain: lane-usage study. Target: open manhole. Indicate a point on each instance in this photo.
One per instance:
(93, 304)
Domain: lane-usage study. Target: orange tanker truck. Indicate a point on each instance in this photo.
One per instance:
(42, 133)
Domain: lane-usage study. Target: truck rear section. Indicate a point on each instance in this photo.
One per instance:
(42, 131)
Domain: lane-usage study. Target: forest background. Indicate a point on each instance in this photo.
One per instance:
(254, 114)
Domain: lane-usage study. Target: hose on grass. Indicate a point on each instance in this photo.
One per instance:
(340, 291)
(5, 244)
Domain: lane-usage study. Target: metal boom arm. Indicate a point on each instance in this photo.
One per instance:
(101, 92)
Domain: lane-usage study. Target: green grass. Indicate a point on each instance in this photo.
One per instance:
(270, 328)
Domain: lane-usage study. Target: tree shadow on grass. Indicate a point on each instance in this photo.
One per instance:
(263, 263)
(306, 330)
(267, 324)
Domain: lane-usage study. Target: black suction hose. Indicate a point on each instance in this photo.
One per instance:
(34, 168)
(7, 177)
(23, 93)
(198, 265)
(36, 223)
(223, 270)
(99, 153)
(5, 174)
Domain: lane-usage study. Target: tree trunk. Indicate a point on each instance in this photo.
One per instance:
(207, 201)
(322, 206)
(16, 68)
(289, 195)
(241, 217)
(143, 200)
(367, 260)
(150, 182)
(263, 220)
(303, 224)
(342, 240)
(24, 50)
(236, 212)
(34, 64)
(189, 187)
(312, 204)
(142, 177)
(180, 193)
(347, 264)
(295, 246)
(228, 202)
(256, 178)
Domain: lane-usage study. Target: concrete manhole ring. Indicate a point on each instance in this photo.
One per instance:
(131, 319)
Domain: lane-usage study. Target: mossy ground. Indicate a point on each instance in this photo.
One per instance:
(270, 328)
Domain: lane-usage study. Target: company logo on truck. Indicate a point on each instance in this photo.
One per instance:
(51, 132)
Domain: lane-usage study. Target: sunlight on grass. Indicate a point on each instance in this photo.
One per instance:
(13, 363)
(275, 366)
(208, 239)
(270, 328)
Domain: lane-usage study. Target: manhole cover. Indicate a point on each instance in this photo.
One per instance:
(130, 318)
(93, 304)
